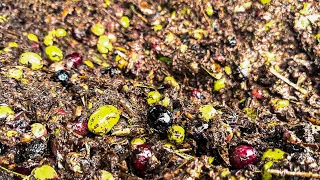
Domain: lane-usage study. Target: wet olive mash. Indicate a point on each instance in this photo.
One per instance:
(159, 89)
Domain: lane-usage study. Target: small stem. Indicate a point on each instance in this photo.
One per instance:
(286, 80)
(15, 173)
(293, 173)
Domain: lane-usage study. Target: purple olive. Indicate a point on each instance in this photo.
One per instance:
(243, 155)
(140, 158)
(80, 128)
(73, 60)
(197, 94)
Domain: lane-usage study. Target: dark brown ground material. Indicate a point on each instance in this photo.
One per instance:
(246, 36)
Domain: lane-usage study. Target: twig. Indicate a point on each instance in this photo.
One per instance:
(15, 173)
(138, 14)
(204, 14)
(293, 173)
(286, 80)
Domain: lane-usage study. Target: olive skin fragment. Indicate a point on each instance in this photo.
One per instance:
(103, 120)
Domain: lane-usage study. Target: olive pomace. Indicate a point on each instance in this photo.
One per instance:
(160, 119)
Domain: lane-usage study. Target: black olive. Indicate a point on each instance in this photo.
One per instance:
(111, 71)
(232, 42)
(160, 119)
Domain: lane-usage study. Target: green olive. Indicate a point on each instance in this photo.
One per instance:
(48, 40)
(31, 58)
(171, 81)
(176, 134)
(207, 112)
(104, 45)
(137, 141)
(125, 21)
(97, 29)
(54, 53)
(38, 130)
(44, 172)
(5, 111)
(103, 119)
(105, 175)
(33, 37)
(60, 32)
(15, 73)
(219, 84)
(273, 154)
(266, 175)
(153, 97)
(280, 103)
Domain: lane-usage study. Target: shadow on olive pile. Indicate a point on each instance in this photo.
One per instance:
(207, 89)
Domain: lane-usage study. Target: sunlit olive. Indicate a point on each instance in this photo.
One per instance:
(5, 111)
(273, 154)
(103, 119)
(104, 45)
(60, 32)
(97, 29)
(105, 175)
(45, 172)
(54, 53)
(153, 97)
(125, 21)
(176, 134)
(31, 58)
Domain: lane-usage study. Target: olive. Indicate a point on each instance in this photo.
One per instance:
(273, 154)
(97, 29)
(73, 60)
(61, 76)
(232, 42)
(142, 158)
(5, 111)
(153, 97)
(60, 32)
(54, 53)
(111, 71)
(243, 155)
(103, 119)
(176, 134)
(104, 45)
(80, 128)
(160, 119)
(105, 175)
(31, 58)
(44, 172)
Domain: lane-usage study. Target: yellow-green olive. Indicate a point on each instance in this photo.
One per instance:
(137, 141)
(153, 97)
(273, 155)
(60, 32)
(280, 103)
(105, 175)
(125, 21)
(176, 134)
(103, 119)
(31, 58)
(44, 172)
(15, 73)
(97, 29)
(219, 84)
(48, 40)
(33, 37)
(38, 130)
(207, 112)
(5, 111)
(104, 45)
(54, 53)
(171, 81)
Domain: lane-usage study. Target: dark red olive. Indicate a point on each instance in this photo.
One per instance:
(140, 158)
(197, 94)
(242, 155)
(73, 60)
(80, 128)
